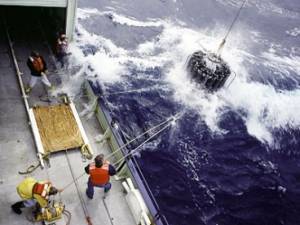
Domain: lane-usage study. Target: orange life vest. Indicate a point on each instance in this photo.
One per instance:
(99, 176)
(41, 189)
(38, 64)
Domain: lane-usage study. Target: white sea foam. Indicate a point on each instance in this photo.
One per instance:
(261, 106)
(282, 63)
(118, 19)
(84, 13)
(294, 32)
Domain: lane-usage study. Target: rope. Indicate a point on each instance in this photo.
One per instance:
(68, 214)
(134, 90)
(230, 28)
(69, 184)
(85, 210)
(74, 97)
(174, 118)
(107, 211)
(135, 150)
(86, 152)
(33, 167)
(142, 134)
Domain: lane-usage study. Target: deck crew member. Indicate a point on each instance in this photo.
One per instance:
(38, 69)
(33, 193)
(61, 49)
(100, 172)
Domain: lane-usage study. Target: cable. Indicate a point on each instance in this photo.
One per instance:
(74, 97)
(85, 210)
(107, 211)
(69, 184)
(134, 90)
(68, 214)
(174, 118)
(137, 137)
(135, 150)
(123, 146)
(230, 28)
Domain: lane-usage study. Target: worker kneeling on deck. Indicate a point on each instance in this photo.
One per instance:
(34, 193)
(38, 69)
(100, 172)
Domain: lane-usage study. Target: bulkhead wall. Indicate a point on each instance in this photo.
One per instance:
(55, 15)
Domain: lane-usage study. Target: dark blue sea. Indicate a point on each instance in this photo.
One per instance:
(230, 158)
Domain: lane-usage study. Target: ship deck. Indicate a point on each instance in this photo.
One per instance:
(18, 149)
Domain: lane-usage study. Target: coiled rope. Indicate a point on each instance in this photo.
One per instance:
(33, 167)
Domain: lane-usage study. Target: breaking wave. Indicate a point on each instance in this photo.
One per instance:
(262, 106)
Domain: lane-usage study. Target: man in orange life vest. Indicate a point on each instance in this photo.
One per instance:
(33, 193)
(38, 69)
(100, 172)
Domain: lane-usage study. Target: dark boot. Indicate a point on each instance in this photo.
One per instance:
(88, 194)
(17, 207)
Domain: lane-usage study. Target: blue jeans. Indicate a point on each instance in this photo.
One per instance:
(29, 203)
(90, 188)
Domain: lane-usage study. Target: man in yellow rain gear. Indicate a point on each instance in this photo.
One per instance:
(33, 193)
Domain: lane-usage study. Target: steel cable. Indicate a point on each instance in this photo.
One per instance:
(230, 28)
(170, 120)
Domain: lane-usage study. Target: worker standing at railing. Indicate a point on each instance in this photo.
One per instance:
(100, 172)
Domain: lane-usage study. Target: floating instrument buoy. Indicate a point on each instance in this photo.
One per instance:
(208, 69)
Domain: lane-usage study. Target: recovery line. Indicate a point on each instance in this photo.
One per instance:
(230, 28)
(83, 205)
(170, 120)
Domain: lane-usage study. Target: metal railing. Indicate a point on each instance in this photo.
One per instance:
(131, 163)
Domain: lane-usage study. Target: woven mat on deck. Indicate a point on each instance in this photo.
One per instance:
(57, 127)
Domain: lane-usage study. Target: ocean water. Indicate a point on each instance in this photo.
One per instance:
(231, 158)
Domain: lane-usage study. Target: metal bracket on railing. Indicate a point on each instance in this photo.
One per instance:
(234, 73)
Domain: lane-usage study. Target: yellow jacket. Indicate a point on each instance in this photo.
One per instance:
(25, 188)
